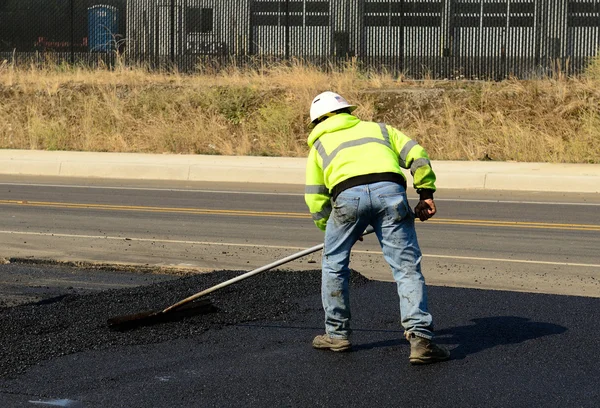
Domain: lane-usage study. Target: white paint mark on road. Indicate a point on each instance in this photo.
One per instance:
(458, 200)
(59, 403)
(234, 244)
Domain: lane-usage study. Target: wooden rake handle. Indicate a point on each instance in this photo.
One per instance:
(246, 275)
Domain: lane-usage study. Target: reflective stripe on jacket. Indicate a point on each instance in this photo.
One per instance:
(343, 146)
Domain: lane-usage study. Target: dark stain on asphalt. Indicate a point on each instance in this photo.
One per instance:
(67, 324)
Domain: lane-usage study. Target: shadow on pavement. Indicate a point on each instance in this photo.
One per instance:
(382, 343)
(484, 333)
(490, 332)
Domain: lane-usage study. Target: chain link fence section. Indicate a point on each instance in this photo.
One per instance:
(451, 39)
(59, 31)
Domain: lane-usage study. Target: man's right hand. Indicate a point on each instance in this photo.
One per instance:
(425, 209)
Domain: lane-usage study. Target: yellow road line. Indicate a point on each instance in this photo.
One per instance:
(112, 207)
(516, 224)
(244, 213)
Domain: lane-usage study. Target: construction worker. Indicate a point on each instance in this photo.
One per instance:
(353, 180)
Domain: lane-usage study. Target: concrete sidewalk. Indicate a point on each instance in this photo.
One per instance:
(581, 178)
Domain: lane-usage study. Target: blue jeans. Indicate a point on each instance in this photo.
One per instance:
(384, 206)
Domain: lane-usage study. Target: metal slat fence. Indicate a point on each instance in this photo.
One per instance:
(482, 39)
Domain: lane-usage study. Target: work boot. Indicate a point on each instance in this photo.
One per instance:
(326, 342)
(424, 351)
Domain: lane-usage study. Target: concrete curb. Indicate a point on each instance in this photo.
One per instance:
(581, 178)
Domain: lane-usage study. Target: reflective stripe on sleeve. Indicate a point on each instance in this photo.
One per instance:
(404, 152)
(419, 163)
(324, 213)
(316, 189)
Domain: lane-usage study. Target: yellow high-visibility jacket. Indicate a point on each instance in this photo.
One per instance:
(343, 146)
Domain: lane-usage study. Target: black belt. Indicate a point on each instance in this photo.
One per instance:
(367, 179)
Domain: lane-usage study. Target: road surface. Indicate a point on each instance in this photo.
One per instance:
(534, 242)
(508, 348)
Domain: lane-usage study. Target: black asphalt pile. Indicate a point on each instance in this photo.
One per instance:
(69, 324)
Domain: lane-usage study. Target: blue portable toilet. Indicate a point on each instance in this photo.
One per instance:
(103, 25)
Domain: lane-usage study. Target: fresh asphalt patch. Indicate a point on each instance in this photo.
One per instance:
(508, 349)
(72, 323)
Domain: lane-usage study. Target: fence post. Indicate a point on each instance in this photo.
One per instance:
(72, 32)
(287, 30)
(446, 52)
(537, 22)
(401, 39)
(172, 33)
(362, 35)
(250, 45)
(595, 52)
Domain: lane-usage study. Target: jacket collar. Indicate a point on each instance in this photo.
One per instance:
(332, 124)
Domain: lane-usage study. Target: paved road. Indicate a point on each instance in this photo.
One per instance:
(538, 242)
(23, 283)
(509, 349)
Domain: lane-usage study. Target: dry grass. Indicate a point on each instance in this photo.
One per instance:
(265, 112)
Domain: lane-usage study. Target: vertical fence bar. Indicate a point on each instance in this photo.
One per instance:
(507, 46)
(251, 28)
(450, 51)
(287, 30)
(597, 15)
(400, 48)
(72, 27)
(537, 32)
(172, 33)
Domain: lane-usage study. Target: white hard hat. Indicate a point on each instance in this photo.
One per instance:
(328, 102)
